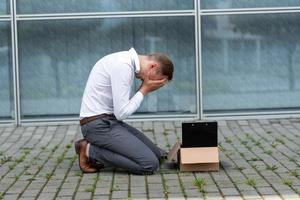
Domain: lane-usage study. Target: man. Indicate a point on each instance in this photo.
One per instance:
(108, 141)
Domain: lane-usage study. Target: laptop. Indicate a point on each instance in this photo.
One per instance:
(200, 134)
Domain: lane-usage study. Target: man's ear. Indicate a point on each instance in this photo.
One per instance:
(154, 65)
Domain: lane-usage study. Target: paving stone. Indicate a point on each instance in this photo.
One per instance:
(237, 164)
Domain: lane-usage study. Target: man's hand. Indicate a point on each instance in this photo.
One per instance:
(151, 85)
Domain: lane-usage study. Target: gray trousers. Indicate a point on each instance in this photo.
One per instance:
(116, 144)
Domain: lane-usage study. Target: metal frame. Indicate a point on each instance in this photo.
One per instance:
(197, 13)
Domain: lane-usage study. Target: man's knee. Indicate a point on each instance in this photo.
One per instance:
(151, 165)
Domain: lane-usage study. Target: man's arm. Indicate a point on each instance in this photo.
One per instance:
(121, 87)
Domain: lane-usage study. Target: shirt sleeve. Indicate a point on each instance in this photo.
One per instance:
(121, 79)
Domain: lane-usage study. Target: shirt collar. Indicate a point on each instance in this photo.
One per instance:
(136, 59)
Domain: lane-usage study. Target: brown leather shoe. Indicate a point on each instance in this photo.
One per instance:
(80, 148)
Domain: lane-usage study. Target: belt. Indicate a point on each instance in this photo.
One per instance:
(92, 118)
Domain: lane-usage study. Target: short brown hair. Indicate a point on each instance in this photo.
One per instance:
(166, 65)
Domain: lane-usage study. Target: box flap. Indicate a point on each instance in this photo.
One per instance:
(199, 155)
(173, 152)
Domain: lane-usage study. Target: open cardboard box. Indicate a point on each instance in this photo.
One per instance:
(195, 158)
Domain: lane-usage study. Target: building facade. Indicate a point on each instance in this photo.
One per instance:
(232, 58)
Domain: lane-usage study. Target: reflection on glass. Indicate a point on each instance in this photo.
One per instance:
(251, 61)
(6, 89)
(63, 6)
(4, 7)
(221, 4)
(56, 57)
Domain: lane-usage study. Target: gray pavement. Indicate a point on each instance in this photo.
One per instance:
(259, 160)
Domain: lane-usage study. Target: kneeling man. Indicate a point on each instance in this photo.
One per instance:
(107, 100)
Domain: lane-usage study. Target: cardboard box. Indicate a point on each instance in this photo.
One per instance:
(199, 148)
(195, 158)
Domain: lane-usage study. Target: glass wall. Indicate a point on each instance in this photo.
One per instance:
(6, 87)
(251, 62)
(55, 58)
(4, 7)
(248, 59)
(67, 6)
(221, 4)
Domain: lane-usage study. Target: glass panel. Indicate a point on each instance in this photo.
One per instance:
(221, 4)
(67, 6)
(4, 7)
(251, 62)
(56, 57)
(6, 87)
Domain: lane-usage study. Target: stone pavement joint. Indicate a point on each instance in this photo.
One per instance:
(259, 159)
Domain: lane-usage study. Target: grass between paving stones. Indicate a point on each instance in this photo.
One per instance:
(294, 173)
(147, 188)
(12, 167)
(273, 168)
(165, 186)
(73, 159)
(129, 186)
(51, 173)
(92, 188)
(251, 182)
(287, 182)
(200, 183)
(245, 143)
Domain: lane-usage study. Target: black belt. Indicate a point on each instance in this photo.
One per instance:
(92, 118)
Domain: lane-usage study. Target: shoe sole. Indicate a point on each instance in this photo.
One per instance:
(77, 147)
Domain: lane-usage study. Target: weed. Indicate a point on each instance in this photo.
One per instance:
(254, 159)
(59, 159)
(200, 183)
(272, 168)
(48, 176)
(116, 188)
(227, 140)
(292, 159)
(249, 147)
(54, 148)
(269, 152)
(242, 155)
(11, 167)
(5, 159)
(287, 182)
(89, 189)
(274, 144)
(294, 173)
(280, 140)
(251, 182)
(254, 166)
(78, 173)
(19, 160)
(40, 167)
(68, 146)
(259, 144)
(240, 168)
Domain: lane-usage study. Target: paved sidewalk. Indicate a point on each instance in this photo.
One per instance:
(260, 159)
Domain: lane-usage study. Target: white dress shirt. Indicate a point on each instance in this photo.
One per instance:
(108, 87)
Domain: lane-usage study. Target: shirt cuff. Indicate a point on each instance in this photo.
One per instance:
(140, 95)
